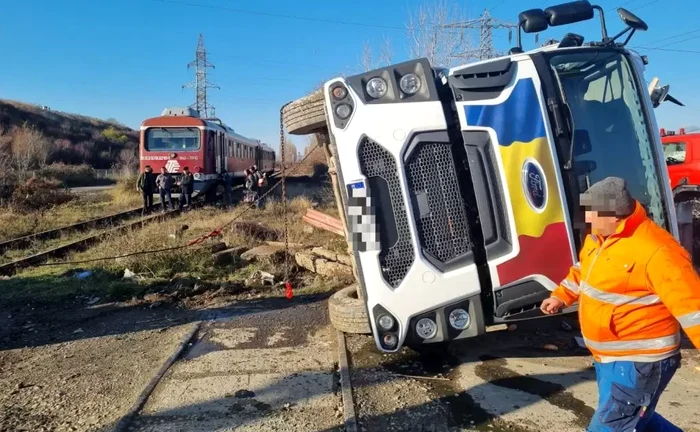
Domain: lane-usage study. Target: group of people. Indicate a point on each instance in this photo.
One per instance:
(255, 184)
(147, 183)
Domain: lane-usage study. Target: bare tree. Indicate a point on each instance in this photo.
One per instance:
(429, 37)
(385, 52)
(30, 149)
(128, 161)
(290, 151)
(384, 55)
(366, 57)
(6, 171)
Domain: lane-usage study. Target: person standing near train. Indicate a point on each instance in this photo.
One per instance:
(186, 188)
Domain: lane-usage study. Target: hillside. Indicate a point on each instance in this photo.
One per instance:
(72, 139)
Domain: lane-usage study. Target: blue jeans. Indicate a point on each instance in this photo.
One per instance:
(165, 195)
(628, 393)
(185, 198)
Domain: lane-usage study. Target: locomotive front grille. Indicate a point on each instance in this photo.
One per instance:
(438, 204)
(396, 254)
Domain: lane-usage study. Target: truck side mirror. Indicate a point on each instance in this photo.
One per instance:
(658, 95)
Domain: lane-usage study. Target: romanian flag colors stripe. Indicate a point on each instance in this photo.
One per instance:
(527, 161)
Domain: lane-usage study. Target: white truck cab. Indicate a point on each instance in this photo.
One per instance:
(461, 186)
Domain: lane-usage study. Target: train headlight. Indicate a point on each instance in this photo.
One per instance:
(376, 87)
(386, 322)
(459, 319)
(343, 111)
(426, 328)
(410, 84)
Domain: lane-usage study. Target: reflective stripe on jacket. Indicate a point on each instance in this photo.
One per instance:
(635, 290)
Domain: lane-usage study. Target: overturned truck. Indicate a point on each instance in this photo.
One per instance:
(459, 188)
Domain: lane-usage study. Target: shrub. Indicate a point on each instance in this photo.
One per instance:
(114, 135)
(70, 175)
(39, 194)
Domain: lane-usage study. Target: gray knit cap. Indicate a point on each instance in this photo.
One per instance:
(609, 195)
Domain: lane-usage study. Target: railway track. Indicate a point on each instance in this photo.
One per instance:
(80, 244)
(11, 267)
(21, 242)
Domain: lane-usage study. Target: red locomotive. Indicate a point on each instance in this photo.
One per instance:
(180, 138)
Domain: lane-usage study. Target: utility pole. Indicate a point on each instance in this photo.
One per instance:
(486, 25)
(200, 83)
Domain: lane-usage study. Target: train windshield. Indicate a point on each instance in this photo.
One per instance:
(611, 129)
(173, 139)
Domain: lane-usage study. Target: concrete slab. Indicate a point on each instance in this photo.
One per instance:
(266, 372)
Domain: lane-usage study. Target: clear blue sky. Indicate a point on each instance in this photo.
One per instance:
(127, 59)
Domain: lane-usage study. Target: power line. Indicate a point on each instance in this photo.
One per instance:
(670, 50)
(498, 4)
(620, 5)
(275, 15)
(670, 37)
(646, 4)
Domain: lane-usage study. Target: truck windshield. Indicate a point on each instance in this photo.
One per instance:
(611, 129)
(172, 139)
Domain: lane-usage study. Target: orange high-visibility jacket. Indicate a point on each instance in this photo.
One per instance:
(634, 288)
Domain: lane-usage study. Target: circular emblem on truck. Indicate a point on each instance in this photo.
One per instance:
(534, 185)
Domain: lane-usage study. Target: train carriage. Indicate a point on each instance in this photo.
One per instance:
(180, 138)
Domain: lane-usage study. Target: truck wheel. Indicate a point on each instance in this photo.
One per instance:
(306, 115)
(347, 311)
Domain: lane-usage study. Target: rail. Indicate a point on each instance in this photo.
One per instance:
(57, 232)
(38, 258)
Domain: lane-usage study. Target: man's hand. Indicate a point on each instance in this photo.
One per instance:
(552, 305)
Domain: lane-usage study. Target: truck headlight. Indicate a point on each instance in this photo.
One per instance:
(459, 319)
(386, 322)
(426, 328)
(410, 83)
(339, 92)
(390, 340)
(343, 111)
(376, 87)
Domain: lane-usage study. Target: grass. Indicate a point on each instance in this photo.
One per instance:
(87, 206)
(56, 283)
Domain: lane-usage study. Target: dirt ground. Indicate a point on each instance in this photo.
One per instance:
(534, 378)
(270, 371)
(79, 367)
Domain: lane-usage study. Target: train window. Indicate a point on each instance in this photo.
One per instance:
(167, 139)
(229, 150)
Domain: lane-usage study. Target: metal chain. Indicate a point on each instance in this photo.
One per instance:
(284, 194)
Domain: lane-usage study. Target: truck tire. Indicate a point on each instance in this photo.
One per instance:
(306, 115)
(347, 311)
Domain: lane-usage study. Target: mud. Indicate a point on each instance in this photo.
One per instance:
(504, 381)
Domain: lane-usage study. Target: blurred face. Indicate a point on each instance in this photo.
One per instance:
(162, 170)
(601, 224)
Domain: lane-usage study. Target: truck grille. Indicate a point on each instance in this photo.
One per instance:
(396, 255)
(438, 205)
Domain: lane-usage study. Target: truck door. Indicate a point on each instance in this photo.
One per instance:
(517, 186)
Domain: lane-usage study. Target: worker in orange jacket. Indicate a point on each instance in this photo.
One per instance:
(636, 288)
